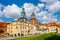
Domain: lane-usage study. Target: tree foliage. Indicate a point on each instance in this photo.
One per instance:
(53, 37)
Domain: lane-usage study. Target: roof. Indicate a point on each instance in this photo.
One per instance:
(46, 24)
(3, 24)
(58, 25)
(51, 24)
(33, 14)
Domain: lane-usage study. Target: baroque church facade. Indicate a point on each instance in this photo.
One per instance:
(22, 27)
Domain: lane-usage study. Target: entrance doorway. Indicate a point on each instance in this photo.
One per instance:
(22, 34)
(15, 35)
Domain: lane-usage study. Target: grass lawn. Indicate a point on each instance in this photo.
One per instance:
(39, 37)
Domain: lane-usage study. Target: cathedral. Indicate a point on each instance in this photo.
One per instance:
(22, 27)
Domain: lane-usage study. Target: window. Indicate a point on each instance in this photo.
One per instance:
(15, 35)
(11, 31)
(28, 31)
(23, 27)
(7, 33)
(18, 34)
(20, 27)
(22, 34)
(16, 27)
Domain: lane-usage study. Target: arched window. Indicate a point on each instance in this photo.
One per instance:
(18, 34)
(22, 34)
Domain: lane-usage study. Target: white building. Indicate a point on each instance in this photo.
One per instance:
(16, 29)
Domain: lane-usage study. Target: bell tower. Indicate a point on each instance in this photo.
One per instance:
(33, 15)
(33, 19)
(23, 16)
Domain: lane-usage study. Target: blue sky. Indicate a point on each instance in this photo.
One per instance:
(18, 2)
(45, 10)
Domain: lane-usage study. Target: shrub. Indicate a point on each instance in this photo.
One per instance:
(53, 37)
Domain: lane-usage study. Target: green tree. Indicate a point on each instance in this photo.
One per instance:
(53, 37)
(56, 30)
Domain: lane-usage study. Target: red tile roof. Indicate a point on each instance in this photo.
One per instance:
(58, 25)
(3, 24)
(51, 24)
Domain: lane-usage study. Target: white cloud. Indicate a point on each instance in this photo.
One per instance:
(49, 1)
(12, 11)
(29, 8)
(1, 6)
(54, 7)
(1, 13)
(41, 5)
(46, 17)
(41, 13)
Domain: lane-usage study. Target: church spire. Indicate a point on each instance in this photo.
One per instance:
(23, 14)
(33, 15)
(34, 20)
